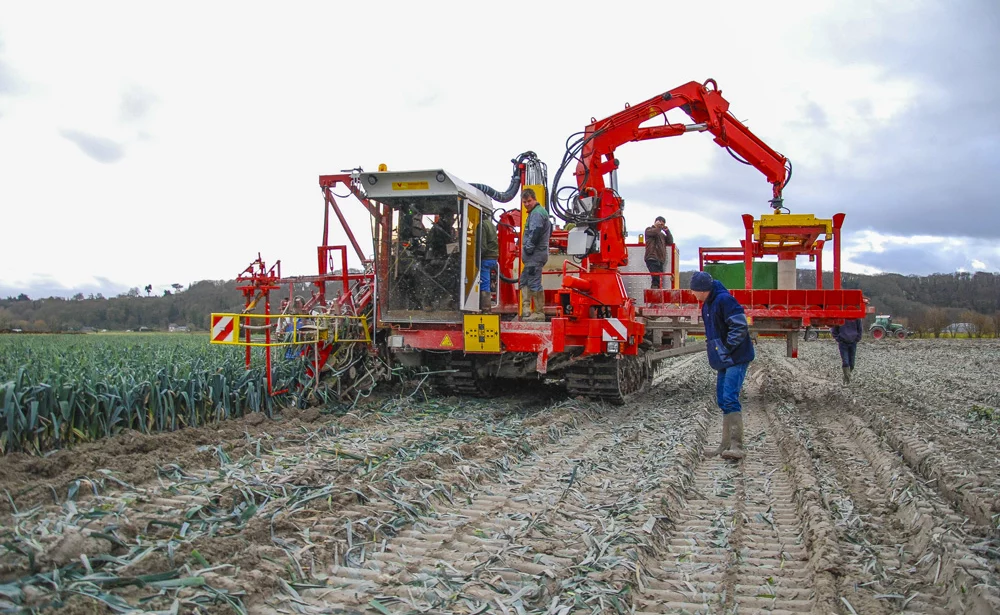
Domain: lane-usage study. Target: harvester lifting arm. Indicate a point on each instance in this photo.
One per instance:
(594, 204)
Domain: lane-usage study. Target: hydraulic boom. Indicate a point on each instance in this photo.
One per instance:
(597, 206)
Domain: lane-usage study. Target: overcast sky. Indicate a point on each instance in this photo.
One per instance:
(153, 144)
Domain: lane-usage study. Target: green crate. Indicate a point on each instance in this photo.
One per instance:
(765, 274)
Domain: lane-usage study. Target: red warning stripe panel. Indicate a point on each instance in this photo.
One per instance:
(613, 330)
(222, 329)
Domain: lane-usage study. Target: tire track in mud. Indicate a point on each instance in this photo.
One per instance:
(902, 545)
(906, 545)
(963, 464)
(962, 482)
(741, 541)
(420, 567)
(261, 517)
(252, 497)
(965, 473)
(553, 534)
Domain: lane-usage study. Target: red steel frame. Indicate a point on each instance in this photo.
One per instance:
(258, 281)
(773, 309)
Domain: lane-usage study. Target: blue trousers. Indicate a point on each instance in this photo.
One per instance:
(485, 266)
(848, 351)
(728, 383)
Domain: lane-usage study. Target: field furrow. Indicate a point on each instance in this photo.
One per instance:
(848, 501)
(738, 543)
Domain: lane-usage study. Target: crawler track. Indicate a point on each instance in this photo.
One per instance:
(460, 377)
(611, 379)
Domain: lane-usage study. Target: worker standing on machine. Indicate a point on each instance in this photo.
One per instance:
(848, 335)
(534, 255)
(658, 237)
(730, 351)
(489, 254)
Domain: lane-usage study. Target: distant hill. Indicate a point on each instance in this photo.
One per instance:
(188, 307)
(910, 296)
(943, 298)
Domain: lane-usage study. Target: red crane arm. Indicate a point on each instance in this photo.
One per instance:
(710, 112)
(595, 151)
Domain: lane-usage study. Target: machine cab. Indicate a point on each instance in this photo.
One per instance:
(434, 247)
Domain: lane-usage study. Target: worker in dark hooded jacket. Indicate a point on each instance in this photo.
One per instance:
(848, 335)
(730, 351)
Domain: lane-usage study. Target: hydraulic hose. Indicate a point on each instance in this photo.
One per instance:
(505, 196)
(515, 181)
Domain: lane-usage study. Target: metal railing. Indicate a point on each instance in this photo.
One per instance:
(274, 330)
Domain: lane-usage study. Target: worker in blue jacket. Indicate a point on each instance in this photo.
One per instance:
(730, 350)
(848, 335)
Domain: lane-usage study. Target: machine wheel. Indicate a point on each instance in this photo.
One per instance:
(611, 379)
(878, 332)
(810, 335)
(900, 335)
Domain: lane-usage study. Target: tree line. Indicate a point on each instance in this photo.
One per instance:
(927, 304)
(128, 311)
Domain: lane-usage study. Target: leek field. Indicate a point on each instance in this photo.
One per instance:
(58, 390)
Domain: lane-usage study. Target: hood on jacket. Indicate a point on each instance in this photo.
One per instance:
(717, 289)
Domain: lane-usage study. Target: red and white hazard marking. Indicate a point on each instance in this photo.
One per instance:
(613, 330)
(223, 329)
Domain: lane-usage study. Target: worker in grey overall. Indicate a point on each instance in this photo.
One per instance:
(534, 255)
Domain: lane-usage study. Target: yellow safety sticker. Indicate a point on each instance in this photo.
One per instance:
(482, 332)
(446, 341)
(410, 186)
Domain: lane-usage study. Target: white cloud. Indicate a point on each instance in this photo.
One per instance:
(226, 121)
(919, 253)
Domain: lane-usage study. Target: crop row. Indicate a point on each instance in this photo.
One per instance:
(63, 389)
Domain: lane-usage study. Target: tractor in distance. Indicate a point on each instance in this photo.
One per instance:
(883, 326)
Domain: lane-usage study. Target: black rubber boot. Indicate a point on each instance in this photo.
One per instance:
(847, 375)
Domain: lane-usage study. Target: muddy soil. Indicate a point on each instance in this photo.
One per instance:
(937, 402)
(133, 457)
(877, 497)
